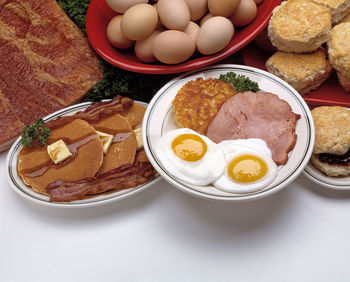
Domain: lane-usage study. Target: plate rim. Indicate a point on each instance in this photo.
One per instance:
(188, 65)
(310, 172)
(260, 194)
(11, 171)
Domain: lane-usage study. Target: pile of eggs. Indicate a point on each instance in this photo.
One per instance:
(233, 166)
(171, 31)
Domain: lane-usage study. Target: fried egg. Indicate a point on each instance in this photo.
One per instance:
(249, 166)
(191, 157)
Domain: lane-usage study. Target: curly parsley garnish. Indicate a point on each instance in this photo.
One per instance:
(240, 82)
(35, 131)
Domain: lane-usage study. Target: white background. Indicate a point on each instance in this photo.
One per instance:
(301, 233)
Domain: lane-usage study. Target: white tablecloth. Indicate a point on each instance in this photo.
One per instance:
(301, 233)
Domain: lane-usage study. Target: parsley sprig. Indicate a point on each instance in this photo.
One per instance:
(35, 131)
(240, 82)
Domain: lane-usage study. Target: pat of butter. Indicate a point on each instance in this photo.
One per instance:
(138, 136)
(106, 140)
(58, 151)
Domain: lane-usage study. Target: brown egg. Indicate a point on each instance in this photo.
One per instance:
(159, 24)
(214, 35)
(139, 21)
(143, 48)
(205, 18)
(192, 30)
(174, 14)
(223, 8)
(121, 6)
(245, 13)
(115, 35)
(198, 8)
(173, 47)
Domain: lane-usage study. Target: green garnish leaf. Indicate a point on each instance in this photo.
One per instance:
(33, 132)
(240, 82)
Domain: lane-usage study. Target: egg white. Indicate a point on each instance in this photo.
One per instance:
(235, 148)
(201, 172)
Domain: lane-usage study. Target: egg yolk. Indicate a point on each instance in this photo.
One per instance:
(189, 147)
(247, 168)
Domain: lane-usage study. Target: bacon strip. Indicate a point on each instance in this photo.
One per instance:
(95, 112)
(124, 177)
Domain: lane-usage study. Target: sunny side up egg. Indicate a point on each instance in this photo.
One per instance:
(191, 157)
(249, 166)
(233, 166)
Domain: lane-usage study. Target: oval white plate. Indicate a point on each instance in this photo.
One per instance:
(159, 119)
(25, 191)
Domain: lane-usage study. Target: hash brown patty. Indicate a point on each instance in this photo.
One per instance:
(198, 101)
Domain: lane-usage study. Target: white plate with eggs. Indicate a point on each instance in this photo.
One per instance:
(159, 121)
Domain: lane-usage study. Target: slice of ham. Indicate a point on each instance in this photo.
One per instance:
(257, 115)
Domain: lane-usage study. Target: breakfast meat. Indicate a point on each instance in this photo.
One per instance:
(331, 153)
(299, 26)
(305, 72)
(198, 101)
(257, 115)
(46, 63)
(124, 177)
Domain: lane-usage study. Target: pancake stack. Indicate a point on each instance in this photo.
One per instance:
(89, 164)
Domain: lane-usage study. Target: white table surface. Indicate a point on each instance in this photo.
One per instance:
(301, 233)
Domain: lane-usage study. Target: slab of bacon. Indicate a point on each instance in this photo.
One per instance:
(46, 64)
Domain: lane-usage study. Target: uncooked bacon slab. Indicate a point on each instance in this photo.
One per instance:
(46, 63)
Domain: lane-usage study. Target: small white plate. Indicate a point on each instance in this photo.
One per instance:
(159, 119)
(336, 183)
(25, 191)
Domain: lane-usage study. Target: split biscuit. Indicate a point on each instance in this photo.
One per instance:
(305, 72)
(332, 140)
(338, 8)
(299, 26)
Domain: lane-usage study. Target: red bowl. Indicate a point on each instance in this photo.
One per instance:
(99, 14)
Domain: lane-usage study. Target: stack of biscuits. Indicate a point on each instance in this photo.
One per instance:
(311, 37)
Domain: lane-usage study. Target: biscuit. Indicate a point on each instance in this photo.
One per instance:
(332, 140)
(332, 128)
(330, 169)
(299, 26)
(338, 8)
(344, 81)
(346, 19)
(305, 72)
(198, 101)
(339, 48)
